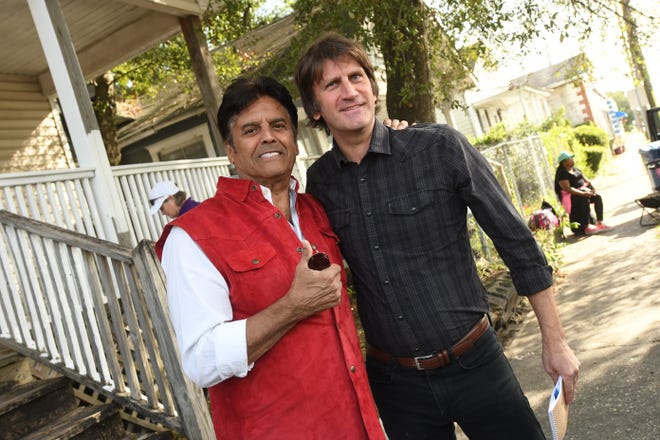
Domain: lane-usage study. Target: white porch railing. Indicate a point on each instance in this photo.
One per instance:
(97, 313)
(196, 177)
(64, 197)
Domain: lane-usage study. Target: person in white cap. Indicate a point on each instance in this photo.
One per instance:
(166, 197)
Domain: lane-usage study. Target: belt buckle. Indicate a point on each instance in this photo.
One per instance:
(422, 358)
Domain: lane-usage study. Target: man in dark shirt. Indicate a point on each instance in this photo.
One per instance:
(398, 201)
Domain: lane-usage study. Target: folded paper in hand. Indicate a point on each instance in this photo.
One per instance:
(558, 411)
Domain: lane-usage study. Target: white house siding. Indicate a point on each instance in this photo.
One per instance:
(567, 96)
(462, 120)
(30, 138)
(599, 110)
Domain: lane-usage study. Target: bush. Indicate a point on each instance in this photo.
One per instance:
(593, 159)
(496, 135)
(590, 135)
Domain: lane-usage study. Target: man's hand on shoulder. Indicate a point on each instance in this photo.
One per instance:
(396, 124)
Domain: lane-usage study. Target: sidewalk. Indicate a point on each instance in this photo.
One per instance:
(607, 292)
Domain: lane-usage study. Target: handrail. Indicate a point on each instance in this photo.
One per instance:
(96, 312)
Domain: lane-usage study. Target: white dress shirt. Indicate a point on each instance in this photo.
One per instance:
(213, 346)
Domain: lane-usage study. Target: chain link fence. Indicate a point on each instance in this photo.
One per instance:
(523, 170)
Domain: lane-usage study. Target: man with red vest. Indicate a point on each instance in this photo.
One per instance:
(273, 340)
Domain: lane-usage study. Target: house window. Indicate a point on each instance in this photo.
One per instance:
(195, 150)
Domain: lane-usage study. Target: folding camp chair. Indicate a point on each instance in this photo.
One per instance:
(651, 208)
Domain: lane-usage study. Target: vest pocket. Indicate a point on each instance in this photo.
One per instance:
(252, 258)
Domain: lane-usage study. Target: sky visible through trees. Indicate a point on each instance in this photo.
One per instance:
(612, 72)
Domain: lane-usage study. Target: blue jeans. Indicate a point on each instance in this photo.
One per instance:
(478, 391)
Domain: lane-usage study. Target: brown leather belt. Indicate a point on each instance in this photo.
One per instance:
(435, 360)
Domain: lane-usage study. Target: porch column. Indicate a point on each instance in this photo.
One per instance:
(77, 108)
(202, 65)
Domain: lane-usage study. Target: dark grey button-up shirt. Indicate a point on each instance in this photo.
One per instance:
(401, 215)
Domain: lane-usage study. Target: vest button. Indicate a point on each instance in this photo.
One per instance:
(255, 261)
(352, 368)
(299, 250)
(278, 215)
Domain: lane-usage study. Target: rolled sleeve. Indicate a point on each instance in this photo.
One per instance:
(213, 346)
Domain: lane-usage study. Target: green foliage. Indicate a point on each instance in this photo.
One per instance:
(623, 105)
(169, 62)
(591, 135)
(557, 119)
(496, 135)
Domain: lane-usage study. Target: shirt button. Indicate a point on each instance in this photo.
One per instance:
(352, 368)
(278, 215)
(376, 247)
(413, 209)
(368, 213)
(362, 179)
(417, 350)
(386, 282)
(399, 317)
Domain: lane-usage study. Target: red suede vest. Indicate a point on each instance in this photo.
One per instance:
(312, 384)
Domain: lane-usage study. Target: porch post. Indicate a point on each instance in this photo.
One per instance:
(202, 65)
(77, 108)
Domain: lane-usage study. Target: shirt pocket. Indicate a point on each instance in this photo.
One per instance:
(252, 258)
(419, 222)
(410, 204)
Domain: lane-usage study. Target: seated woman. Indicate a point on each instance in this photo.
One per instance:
(576, 194)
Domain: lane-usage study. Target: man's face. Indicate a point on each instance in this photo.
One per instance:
(264, 146)
(345, 98)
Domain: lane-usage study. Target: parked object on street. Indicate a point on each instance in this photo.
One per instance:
(650, 205)
(651, 157)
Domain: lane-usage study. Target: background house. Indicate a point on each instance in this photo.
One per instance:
(533, 97)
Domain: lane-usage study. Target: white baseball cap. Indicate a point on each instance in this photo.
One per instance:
(159, 193)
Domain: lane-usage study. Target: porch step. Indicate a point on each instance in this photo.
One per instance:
(14, 370)
(36, 405)
(26, 407)
(83, 423)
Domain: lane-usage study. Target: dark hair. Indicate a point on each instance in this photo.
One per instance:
(179, 198)
(309, 69)
(243, 92)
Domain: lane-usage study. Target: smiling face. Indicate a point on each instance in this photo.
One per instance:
(345, 97)
(263, 145)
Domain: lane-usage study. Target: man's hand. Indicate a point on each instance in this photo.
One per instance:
(311, 292)
(559, 360)
(314, 290)
(557, 357)
(395, 123)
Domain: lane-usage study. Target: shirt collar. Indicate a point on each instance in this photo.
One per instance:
(379, 144)
(238, 189)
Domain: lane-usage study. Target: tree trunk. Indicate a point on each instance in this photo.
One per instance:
(637, 60)
(405, 53)
(105, 110)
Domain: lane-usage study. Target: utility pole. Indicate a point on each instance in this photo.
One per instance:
(635, 55)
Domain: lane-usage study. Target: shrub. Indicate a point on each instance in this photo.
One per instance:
(590, 135)
(593, 159)
(497, 134)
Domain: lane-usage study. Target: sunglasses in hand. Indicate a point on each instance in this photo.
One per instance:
(318, 261)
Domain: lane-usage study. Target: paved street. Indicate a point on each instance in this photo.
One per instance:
(608, 295)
